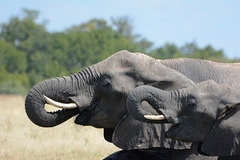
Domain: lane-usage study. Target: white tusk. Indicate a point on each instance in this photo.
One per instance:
(155, 117)
(60, 105)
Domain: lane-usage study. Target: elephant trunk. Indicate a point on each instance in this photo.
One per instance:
(153, 96)
(56, 89)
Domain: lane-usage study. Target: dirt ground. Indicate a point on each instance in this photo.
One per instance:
(20, 139)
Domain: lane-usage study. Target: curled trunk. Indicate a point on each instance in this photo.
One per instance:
(146, 93)
(35, 102)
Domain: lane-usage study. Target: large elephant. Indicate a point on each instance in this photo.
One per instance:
(98, 96)
(206, 113)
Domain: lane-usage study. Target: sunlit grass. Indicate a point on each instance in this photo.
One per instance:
(20, 139)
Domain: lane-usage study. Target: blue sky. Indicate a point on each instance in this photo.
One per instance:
(215, 22)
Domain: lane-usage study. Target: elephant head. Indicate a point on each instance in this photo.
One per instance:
(206, 113)
(98, 93)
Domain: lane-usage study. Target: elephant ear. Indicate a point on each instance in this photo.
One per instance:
(224, 138)
(163, 77)
(132, 134)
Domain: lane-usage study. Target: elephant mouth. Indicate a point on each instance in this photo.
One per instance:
(82, 118)
(85, 112)
(85, 116)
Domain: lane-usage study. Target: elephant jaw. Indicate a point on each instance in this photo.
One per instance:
(85, 115)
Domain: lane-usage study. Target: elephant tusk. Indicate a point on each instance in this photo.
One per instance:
(155, 117)
(60, 105)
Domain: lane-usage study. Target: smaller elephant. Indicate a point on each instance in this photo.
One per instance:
(206, 113)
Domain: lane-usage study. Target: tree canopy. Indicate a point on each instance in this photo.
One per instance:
(29, 53)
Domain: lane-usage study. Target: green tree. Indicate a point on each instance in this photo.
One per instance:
(92, 42)
(189, 48)
(93, 24)
(13, 65)
(28, 37)
(12, 60)
(124, 26)
(167, 51)
(29, 53)
(208, 52)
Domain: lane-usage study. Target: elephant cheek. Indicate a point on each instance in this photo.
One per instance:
(186, 132)
(98, 120)
(102, 120)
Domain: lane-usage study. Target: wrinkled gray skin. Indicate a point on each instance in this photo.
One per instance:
(206, 113)
(100, 92)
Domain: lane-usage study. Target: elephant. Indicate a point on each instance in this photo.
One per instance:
(97, 97)
(206, 113)
(136, 155)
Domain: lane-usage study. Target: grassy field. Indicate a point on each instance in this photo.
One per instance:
(20, 139)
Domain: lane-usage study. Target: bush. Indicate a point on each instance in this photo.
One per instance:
(12, 86)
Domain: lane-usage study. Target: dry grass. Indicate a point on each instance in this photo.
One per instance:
(20, 139)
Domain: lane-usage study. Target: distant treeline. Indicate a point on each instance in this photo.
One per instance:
(29, 53)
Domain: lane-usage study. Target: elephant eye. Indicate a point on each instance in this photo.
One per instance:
(192, 103)
(106, 84)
